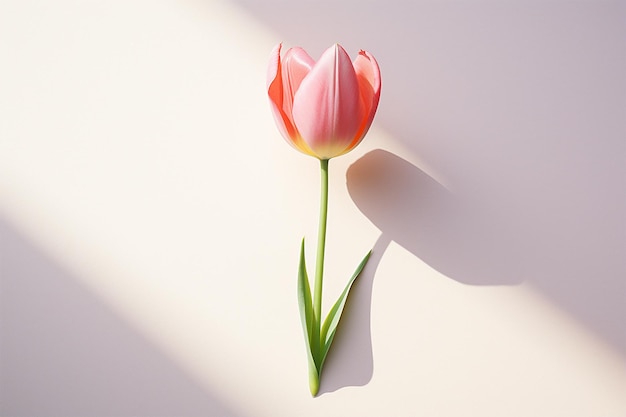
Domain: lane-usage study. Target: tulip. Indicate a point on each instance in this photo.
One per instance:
(323, 108)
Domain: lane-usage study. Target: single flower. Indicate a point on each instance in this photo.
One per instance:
(323, 108)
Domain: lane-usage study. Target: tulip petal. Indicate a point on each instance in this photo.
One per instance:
(368, 75)
(275, 93)
(296, 65)
(327, 108)
(273, 69)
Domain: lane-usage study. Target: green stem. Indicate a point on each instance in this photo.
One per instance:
(321, 244)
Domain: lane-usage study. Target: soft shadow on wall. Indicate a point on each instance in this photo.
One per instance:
(64, 353)
(519, 107)
(350, 361)
(474, 243)
(453, 235)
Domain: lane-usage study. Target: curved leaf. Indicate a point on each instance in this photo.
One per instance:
(334, 315)
(309, 324)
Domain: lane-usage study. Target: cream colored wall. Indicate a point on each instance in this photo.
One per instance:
(151, 214)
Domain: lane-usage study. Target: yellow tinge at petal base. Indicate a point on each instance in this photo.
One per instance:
(323, 108)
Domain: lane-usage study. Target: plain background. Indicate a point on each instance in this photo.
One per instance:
(151, 214)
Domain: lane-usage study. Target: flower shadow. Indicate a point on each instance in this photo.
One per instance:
(448, 232)
(474, 240)
(460, 237)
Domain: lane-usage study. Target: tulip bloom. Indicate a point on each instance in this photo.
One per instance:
(323, 108)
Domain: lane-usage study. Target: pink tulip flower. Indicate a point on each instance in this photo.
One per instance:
(323, 108)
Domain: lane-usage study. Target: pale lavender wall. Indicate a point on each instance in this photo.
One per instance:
(521, 107)
(63, 352)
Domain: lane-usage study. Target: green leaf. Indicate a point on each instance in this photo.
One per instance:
(334, 315)
(309, 324)
(304, 297)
